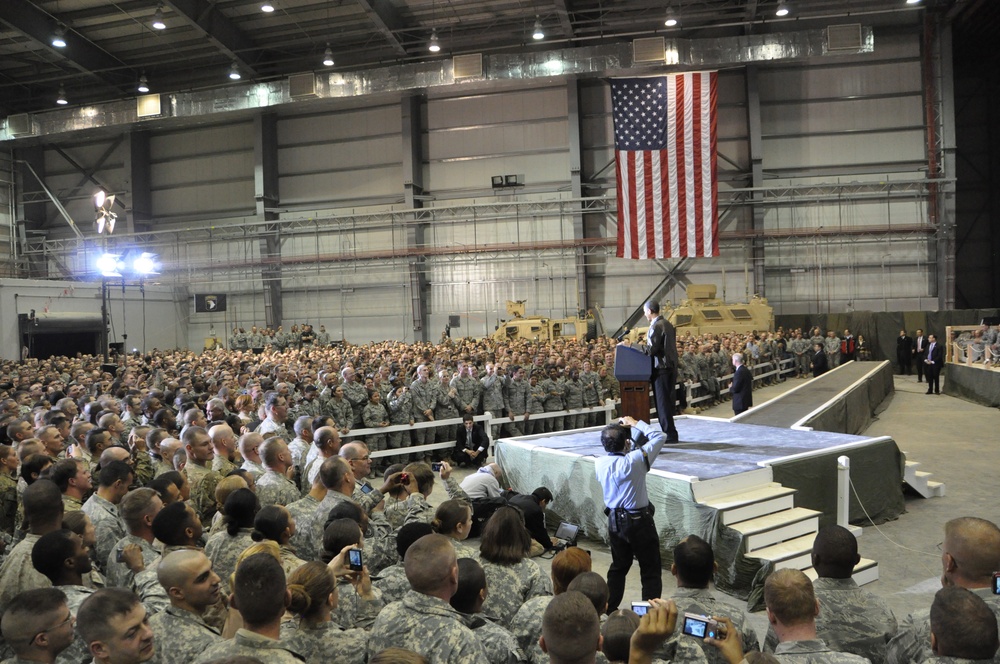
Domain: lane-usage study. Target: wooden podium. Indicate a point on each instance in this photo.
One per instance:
(632, 370)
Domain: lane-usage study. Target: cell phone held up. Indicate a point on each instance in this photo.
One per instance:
(996, 583)
(355, 560)
(436, 466)
(702, 626)
(640, 608)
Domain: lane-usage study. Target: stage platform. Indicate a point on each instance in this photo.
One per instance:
(975, 383)
(757, 492)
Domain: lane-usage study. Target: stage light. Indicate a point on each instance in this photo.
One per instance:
(497, 181)
(328, 56)
(61, 97)
(99, 198)
(106, 218)
(145, 264)
(538, 32)
(267, 8)
(234, 72)
(59, 37)
(109, 265)
(782, 9)
(434, 46)
(913, 2)
(143, 84)
(158, 23)
(671, 20)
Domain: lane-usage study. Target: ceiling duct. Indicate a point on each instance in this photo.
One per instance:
(649, 49)
(19, 125)
(302, 86)
(842, 38)
(468, 66)
(437, 75)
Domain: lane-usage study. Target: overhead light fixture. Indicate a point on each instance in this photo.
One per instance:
(106, 218)
(538, 32)
(145, 264)
(913, 2)
(143, 84)
(782, 9)
(234, 72)
(434, 46)
(61, 98)
(328, 56)
(59, 36)
(671, 19)
(158, 23)
(109, 265)
(267, 8)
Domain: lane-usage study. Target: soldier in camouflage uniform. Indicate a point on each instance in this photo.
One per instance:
(791, 609)
(180, 631)
(555, 392)
(591, 393)
(800, 352)
(375, 416)
(976, 543)
(494, 385)
(274, 487)
(239, 339)
(573, 395)
(610, 389)
(694, 568)
(255, 340)
(817, 337)
(446, 408)
(201, 478)
(427, 624)
(102, 508)
(536, 404)
(516, 393)
(707, 371)
(766, 358)
(356, 395)
(467, 388)
(424, 394)
(851, 619)
(831, 346)
(400, 414)
(963, 628)
(339, 408)
(687, 370)
(260, 594)
(317, 638)
(512, 579)
(500, 645)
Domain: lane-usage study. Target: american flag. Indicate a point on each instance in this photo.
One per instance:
(665, 142)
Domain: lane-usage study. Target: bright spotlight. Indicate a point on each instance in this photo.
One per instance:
(109, 265)
(99, 198)
(145, 263)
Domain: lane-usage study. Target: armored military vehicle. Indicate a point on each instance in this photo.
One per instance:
(537, 328)
(703, 313)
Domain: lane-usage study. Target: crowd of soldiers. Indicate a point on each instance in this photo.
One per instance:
(979, 346)
(193, 506)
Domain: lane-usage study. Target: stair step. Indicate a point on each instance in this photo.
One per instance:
(769, 529)
(743, 505)
(786, 551)
(923, 474)
(912, 464)
(936, 488)
(866, 571)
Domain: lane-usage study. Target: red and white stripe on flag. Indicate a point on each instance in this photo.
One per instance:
(665, 151)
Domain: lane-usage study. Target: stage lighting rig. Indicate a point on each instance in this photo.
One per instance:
(106, 217)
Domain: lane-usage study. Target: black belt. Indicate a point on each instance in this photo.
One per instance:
(648, 509)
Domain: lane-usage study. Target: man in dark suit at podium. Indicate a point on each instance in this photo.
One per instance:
(661, 345)
(742, 386)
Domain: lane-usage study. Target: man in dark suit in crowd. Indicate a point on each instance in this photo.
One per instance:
(920, 353)
(532, 506)
(819, 363)
(661, 345)
(933, 364)
(904, 353)
(742, 386)
(471, 445)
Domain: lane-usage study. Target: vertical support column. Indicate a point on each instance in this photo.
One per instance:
(265, 175)
(138, 181)
(576, 185)
(946, 191)
(757, 176)
(416, 234)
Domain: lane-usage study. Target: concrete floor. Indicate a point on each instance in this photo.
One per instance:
(955, 440)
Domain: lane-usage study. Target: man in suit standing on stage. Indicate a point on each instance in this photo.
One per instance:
(933, 364)
(920, 353)
(742, 386)
(819, 362)
(661, 345)
(904, 352)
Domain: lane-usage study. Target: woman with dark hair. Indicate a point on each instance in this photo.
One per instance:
(225, 546)
(453, 519)
(513, 578)
(359, 603)
(313, 588)
(275, 523)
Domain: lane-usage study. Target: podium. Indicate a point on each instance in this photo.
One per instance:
(632, 370)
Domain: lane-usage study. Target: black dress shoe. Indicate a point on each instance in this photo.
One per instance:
(673, 438)
(928, 392)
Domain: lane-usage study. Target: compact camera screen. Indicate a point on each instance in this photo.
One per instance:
(640, 608)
